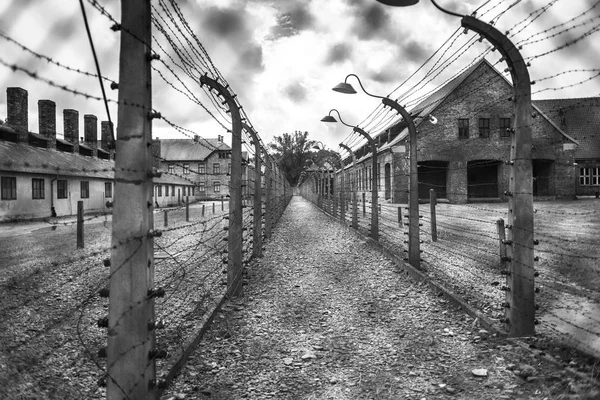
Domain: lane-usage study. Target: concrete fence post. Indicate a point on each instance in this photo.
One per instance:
(432, 204)
(80, 242)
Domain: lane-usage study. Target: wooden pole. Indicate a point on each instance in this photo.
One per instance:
(364, 204)
(432, 204)
(268, 197)
(187, 209)
(501, 238)
(80, 242)
(203, 209)
(234, 270)
(131, 372)
(166, 218)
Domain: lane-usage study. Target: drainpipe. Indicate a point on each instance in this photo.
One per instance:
(52, 209)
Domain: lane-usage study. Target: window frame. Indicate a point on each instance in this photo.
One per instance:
(504, 128)
(202, 186)
(62, 192)
(202, 168)
(84, 189)
(217, 187)
(171, 169)
(159, 191)
(108, 190)
(9, 193)
(484, 129)
(186, 169)
(216, 168)
(463, 128)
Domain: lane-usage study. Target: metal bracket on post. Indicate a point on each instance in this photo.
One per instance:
(234, 265)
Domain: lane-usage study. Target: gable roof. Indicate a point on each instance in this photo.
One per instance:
(430, 103)
(189, 149)
(21, 157)
(580, 118)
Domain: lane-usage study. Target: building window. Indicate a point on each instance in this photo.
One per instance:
(505, 127)
(108, 189)
(37, 189)
(171, 168)
(223, 154)
(216, 187)
(61, 189)
(186, 169)
(216, 169)
(463, 128)
(484, 127)
(9, 188)
(201, 187)
(85, 189)
(589, 176)
(201, 168)
(159, 190)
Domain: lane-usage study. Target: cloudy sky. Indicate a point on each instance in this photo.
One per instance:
(281, 57)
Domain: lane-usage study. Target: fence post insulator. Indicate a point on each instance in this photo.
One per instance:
(536, 258)
(507, 193)
(158, 292)
(537, 289)
(506, 304)
(106, 262)
(104, 292)
(154, 233)
(154, 115)
(536, 274)
(109, 204)
(153, 56)
(152, 324)
(115, 27)
(536, 242)
(155, 353)
(505, 272)
(507, 242)
(505, 259)
(157, 384)
(102, 381)
(505, 289)
(102, 352)
(103, 322)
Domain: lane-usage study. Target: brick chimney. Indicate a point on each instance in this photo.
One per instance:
(16, 113)
(47, 121)
(90, 132)
(71, 128)
(106, 135)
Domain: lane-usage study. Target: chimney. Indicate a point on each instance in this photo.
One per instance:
(47, 121)
(220, 138)
(16, 113)
(106, 134)
(90, 132)
(71, 128)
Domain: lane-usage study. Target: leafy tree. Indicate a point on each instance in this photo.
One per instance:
(292, 152)
(295, 151)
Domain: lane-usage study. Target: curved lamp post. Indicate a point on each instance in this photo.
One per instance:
(520, 296)
(257, 214)
(374, 207)
(353, 186)
(414, 251)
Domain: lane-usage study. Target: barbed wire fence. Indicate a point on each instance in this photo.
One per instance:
(119, 318)
(464, 246)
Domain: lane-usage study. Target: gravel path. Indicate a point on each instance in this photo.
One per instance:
(325, 316)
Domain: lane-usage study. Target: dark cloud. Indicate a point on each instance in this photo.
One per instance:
(338, 53)
(296, 92)
(385, 76)
(372, 21)
(415, 52)
(252, 58)
(291, 21)
(224, 22)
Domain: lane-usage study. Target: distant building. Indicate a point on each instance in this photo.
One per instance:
(43, 176)
(205, 163)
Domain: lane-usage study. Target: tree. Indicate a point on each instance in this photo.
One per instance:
(292, 152)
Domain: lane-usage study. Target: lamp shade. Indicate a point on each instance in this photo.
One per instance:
(328, 118)
(344, 88)
(398, 3)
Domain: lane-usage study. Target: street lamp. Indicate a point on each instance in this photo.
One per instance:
(374, 207)
(414, 251)
(520, 296)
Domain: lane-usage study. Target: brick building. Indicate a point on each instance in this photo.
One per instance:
(463, 156)
(42, 175)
